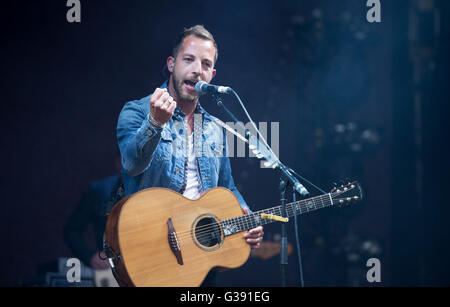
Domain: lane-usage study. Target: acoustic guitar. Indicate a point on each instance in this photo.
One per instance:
(157, 237)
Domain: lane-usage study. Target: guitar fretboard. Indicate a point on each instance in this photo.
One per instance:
(254, 219)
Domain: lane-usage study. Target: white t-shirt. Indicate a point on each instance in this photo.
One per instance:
(192, 184)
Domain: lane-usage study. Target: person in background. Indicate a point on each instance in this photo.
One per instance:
(93, 209)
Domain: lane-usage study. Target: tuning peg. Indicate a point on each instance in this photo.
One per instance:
(335, 190)
(335, 185)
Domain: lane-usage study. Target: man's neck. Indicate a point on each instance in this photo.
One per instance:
(188, 108)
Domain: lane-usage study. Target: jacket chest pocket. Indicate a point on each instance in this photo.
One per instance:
(213, 149)
(165, 147)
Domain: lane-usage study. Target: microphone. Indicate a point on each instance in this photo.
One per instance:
(297, 185)
(202, 87)
(301, 189)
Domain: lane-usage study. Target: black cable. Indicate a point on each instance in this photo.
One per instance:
(304, 179)
(297, 241)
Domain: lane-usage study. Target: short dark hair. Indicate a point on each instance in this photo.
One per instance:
(198, 31)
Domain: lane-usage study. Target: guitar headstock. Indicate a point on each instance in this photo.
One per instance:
(346, 194)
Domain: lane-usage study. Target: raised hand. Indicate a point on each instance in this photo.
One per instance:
(162, 106)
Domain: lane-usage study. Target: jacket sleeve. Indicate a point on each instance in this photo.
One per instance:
(136, 137)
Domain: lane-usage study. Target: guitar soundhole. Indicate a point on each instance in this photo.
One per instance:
(207, 232)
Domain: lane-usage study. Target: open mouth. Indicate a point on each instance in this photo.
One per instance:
(190, 85)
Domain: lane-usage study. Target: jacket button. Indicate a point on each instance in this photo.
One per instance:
(177, 170)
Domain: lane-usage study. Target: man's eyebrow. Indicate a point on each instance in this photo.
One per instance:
(188, 54)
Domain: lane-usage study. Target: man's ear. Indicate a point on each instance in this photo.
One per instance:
(213, 74)
(170, 64)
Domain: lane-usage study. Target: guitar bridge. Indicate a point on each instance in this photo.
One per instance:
(173, 242)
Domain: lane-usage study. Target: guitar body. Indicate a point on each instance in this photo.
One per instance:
(157, 237)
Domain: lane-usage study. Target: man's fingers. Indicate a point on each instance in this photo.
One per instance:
(157, 104)
(159, 97)
(172, 107)
(254, 234)
(166, 104)
(164, 97)
(156, 95)
(254, 237)
(254, 240)
(257, 230)
(162, 101)
(254, 245)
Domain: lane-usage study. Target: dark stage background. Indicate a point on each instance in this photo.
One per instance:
(367, 101)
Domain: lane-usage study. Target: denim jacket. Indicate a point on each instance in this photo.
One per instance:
(157, 157)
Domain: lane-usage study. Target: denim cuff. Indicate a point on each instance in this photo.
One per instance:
(150, 129)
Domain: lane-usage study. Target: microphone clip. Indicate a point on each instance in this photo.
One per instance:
(217, 99)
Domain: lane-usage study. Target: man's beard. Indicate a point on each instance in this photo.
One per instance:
(178, 87)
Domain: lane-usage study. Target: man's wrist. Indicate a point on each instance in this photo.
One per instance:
(154, 123)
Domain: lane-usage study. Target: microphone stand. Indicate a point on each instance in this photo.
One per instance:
(219, 103)
(286, 179)
(284, 242)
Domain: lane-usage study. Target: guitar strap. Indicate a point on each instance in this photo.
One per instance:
(117, 193)
(231, 130)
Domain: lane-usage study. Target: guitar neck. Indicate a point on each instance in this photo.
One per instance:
(254, 219)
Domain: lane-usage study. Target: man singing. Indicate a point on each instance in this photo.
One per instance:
(168, 140)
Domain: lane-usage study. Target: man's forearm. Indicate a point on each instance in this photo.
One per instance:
(137, 139)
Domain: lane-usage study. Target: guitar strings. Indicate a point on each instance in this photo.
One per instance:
(303, 204)
(206, 233)
(205, 230)
(246, 220)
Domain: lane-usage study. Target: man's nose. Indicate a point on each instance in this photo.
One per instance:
(197, 68)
